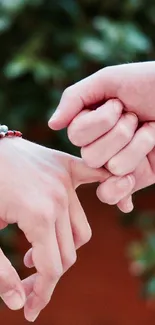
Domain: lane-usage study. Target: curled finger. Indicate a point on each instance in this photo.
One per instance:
(89, 125)
(100, 151)
(127, 160)
(115, 189)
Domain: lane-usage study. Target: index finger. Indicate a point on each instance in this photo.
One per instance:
(47, 261)
(40, 232)
(11, 289)
(91, 90)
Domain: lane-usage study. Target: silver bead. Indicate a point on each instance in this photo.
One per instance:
(3, 128)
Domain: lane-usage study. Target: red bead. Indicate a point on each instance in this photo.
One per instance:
(10, 133)
(18, 134)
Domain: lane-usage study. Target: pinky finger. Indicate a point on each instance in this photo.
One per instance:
(115, 189)
(126, 204)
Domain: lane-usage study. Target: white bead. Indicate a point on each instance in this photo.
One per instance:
(3, 128)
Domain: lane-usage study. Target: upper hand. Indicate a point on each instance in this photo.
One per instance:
(119, 146)
(133, 84)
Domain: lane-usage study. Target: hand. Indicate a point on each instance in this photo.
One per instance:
(37, 190)
(121, 150)
(132, 84)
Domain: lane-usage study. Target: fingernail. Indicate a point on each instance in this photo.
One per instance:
(13, 299)
(31, 317)
(129, 205)
(125, 182)
(132, 113)
(54, 116)
(132, 116)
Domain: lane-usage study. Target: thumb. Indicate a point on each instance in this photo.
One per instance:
(82, 174)
(89, 91)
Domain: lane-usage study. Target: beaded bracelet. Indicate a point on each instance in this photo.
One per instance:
(5, 132)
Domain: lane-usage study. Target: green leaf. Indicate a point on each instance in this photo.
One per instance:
(124, 36)
(70, 6)
(71, 62)
(94, 48)
(17, 67)
(151, 287)
(5, 23)
(135, 38)
(44, 70)
(12, 6)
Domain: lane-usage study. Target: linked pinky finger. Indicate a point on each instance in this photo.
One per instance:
(115, 189)
(126, 204)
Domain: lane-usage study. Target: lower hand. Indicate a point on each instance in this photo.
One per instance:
(37, 190)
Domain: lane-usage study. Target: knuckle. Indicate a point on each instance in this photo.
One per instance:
(60, 197)
(88, 157)
(38, 223)
(115, 168)
(82, 235)
(86, 235)
(117, 106)
(149, 133)
(54, 273)
(63, 181)
(57, 274)
(124, 132)
(73, 134)
(67, 92)
(85, 155)
(44, 220)
(76, 136)
(5, 274)
(77, 130)
(69, 261)
(43, 300)
(72, 259)
(107, 120)
(7, 281)
(152, 125)
(111, 115)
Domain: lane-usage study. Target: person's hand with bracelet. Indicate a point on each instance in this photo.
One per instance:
(37, 191)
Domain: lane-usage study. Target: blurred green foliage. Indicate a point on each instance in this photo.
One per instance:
(47, 45)
(142, 253)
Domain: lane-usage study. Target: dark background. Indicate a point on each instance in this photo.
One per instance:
(47, 45)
